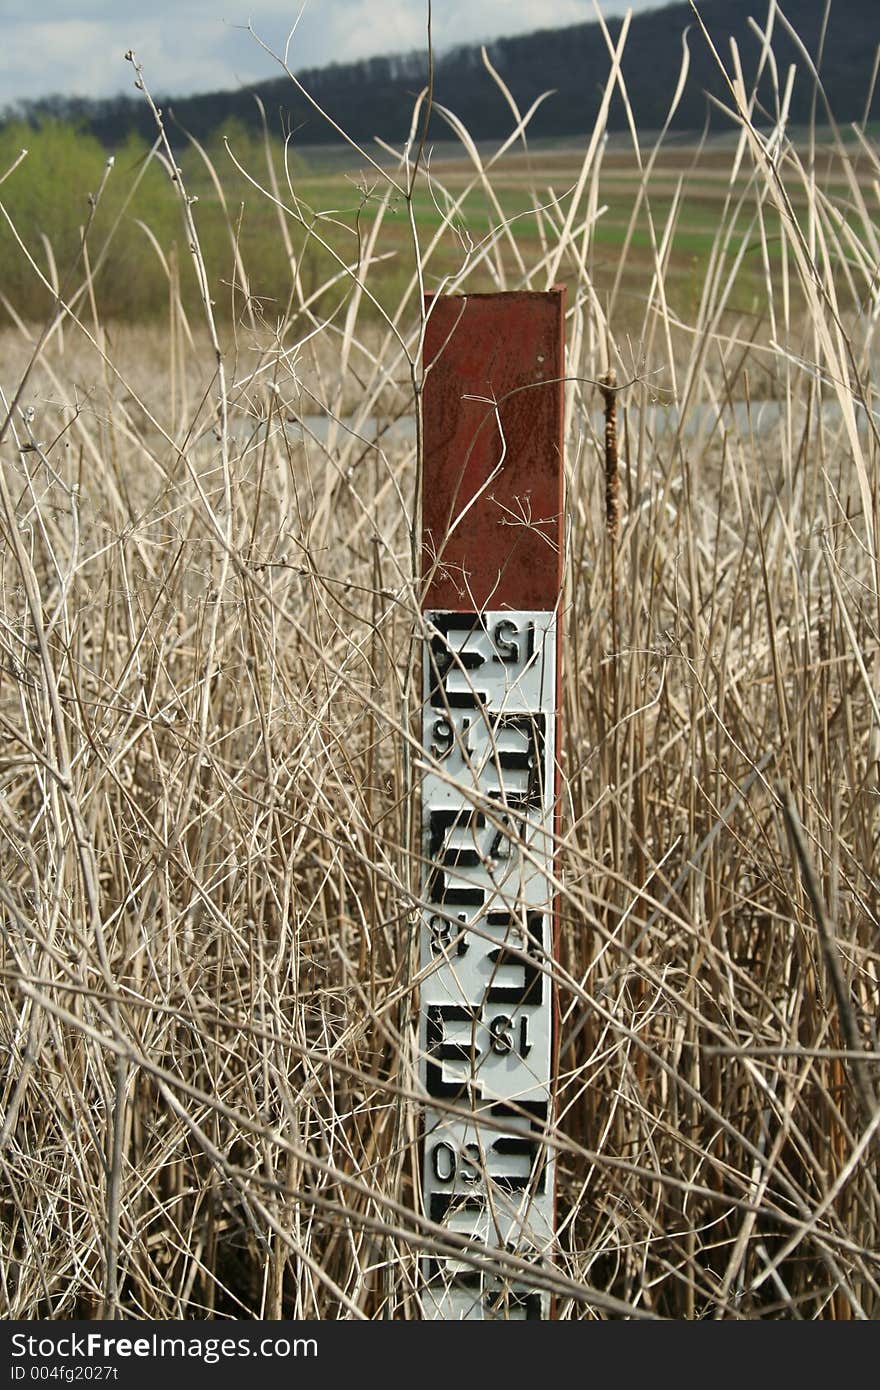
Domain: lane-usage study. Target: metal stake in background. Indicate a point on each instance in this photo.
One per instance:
(492, 564)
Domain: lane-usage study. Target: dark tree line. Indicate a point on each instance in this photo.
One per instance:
(374, 97)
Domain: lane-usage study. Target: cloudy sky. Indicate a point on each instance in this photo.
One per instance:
(76, 46)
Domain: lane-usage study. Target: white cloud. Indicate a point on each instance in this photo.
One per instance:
(85, 56)
(200, 45)
(346, 29)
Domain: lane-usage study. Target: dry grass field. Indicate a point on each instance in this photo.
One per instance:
(209, 639)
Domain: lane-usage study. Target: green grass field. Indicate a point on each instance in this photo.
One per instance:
(269, 210)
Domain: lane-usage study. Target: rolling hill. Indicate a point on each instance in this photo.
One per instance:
(374, 97)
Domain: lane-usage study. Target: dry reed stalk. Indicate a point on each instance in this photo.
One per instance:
(207, 695)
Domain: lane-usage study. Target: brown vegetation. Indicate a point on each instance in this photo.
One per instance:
(209, 628)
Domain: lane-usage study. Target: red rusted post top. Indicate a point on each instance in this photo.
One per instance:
(493, 403)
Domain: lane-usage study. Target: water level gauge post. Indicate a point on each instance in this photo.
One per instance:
(492, 533)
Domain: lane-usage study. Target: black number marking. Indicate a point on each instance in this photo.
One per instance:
(529, 760)
(444, 737)
(440, 1049)
(531, 991)
(442, 1204)
(501, 846)
(439, 1046)
(447, 1164)
(441, 823)
(443, 1161)
(507, 647)
(441, 929)
(459, 699)
(439, 891)
(501, 1031)
(537, 1111)
(471, 1164)
(529, 1147)
(443, 659)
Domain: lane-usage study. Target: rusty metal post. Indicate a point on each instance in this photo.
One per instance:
(492, 544)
